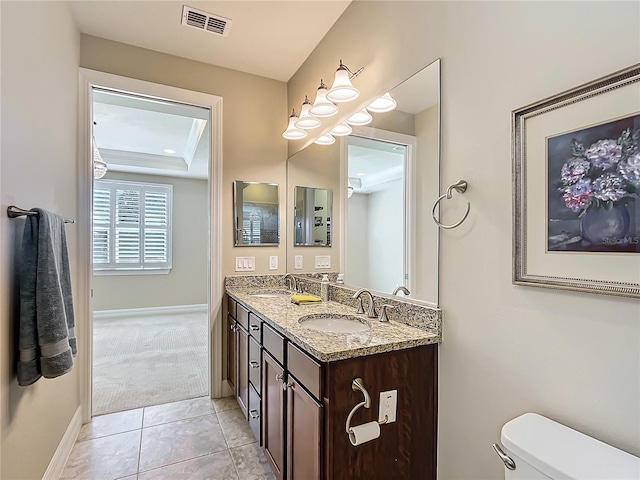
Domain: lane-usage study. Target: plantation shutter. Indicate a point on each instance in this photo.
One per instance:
(131, 226)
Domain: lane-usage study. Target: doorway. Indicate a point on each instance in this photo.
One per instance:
(379, 210)
(153, 328)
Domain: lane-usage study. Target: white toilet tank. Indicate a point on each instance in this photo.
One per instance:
(543, 449)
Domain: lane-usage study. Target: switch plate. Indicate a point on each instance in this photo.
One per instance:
(298, 262)
(323, 261)
(273, 262)
(245, 264)
(388, 406)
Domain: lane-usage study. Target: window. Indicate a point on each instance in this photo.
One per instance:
(131, 226)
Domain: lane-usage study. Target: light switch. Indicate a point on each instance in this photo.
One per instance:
(298, 262)
(323, 261)
(245, 264)
(273, 262)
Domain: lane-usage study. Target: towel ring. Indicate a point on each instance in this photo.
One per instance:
(460, 187)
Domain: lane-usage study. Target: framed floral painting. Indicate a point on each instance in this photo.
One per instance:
(576, 188)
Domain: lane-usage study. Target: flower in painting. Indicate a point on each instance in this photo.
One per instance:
(630, 170)
(578, 195)
(609, 186)
(574, 169)
(604, 154)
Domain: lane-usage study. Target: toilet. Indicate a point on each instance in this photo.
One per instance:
(543, 449)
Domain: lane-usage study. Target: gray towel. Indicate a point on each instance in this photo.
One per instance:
(46, 340)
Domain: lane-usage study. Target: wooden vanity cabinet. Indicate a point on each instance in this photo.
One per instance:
(297, 407)
(230, 372)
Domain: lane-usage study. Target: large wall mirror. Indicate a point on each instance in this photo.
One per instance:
(385, 177)
(256, 213)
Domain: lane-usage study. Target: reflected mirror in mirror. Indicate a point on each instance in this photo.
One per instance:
(256, 213)
(312, 216)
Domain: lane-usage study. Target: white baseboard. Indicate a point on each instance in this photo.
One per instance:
(147, 311)
(59, 459)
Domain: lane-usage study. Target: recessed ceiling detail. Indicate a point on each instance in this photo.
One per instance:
(205, 21)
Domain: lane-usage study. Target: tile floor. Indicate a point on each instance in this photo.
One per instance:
(188, 440)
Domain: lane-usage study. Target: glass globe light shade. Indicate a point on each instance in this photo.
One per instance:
(326, 139)
(99, 165)
(323, 107)
(360, 118)
(382, 104)
(306, 121)
(341, 130)
(293, 133)
(342, 90)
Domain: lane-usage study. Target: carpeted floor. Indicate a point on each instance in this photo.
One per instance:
(148, 360)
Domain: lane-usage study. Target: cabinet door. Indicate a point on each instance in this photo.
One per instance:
(242, 363)
(273, 402)
(304, 434)
(231, 353)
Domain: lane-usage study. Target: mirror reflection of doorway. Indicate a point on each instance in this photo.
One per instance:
(150, 250)
(376, 217)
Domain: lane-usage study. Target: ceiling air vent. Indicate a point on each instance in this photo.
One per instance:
(205, 21)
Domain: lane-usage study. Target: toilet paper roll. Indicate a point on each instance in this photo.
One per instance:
(363, 433)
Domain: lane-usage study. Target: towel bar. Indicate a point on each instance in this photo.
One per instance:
(14, 212)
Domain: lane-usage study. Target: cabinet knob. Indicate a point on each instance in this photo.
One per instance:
(279, 376)
(233, 327)
(255, 328)
(254, 364)
(286, 385)
(254, 414)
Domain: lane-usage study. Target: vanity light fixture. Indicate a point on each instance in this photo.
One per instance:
(382, 104)
(326, 139)
(360, 118)
(293, 133)
(99, 165)
(342, 90)
(341, 130)
(306, 120)
(322, 107)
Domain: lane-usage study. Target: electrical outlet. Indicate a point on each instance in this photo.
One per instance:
(323, 261)
(273, 262)
(298, 262)
(245, 264)
(388, 406)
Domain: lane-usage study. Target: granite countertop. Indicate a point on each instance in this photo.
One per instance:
(283, 316)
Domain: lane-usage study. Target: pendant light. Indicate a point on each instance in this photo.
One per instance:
(341, 130)
(99, 165)
(306, 121)
(382, 104)
(293, 133)
(323, 107)
(349, 189)
(342, 90)
(326, 139)
(360, 118)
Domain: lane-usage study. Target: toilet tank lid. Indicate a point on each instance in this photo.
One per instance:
(561, 452)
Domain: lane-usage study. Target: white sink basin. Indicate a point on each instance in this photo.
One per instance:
(271, 293)
(334, 324)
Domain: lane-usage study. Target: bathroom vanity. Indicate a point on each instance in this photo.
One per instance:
(294, 386)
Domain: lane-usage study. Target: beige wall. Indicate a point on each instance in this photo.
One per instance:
(253, 118)
(186, 284)
(507, 349)
(40, 56)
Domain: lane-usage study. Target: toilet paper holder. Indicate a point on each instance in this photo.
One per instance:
(357, 384)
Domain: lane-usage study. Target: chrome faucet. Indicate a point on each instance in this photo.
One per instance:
(402, 289)
(371, 308)
(292, 281)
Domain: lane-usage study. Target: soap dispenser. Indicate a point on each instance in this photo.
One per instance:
(324, 288)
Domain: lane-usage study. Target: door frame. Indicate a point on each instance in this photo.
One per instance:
(409, 197)
(88, 79)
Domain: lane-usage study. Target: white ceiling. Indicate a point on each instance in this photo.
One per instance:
(266, 38)
(372, 163)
